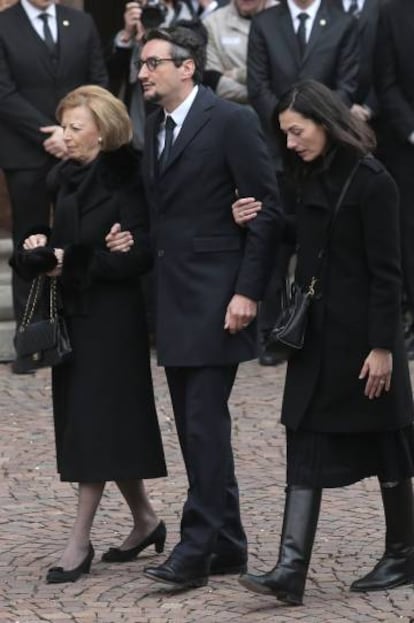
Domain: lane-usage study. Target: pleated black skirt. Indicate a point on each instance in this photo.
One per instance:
(335, 460)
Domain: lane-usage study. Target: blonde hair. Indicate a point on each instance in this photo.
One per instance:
(109, 113)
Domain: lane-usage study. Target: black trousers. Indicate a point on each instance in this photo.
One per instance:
(399, 160)
(30, 206)
(211, 514)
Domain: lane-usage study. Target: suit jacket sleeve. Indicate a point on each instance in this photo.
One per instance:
(16, 110)
(348, 64)
(250, 163)
(381, 231)
(259, 88)
(97, 69)
(395, 106)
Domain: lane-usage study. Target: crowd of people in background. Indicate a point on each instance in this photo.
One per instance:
(266, 106)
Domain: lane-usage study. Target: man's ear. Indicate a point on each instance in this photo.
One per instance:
(188, 68)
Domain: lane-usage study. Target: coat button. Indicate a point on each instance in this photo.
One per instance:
(160, 252)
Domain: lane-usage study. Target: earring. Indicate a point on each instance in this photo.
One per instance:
(100, 140)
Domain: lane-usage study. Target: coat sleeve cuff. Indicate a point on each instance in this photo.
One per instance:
(31, 264)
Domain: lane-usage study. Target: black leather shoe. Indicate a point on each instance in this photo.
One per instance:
(157, 538)
(270, 359)
(59, 575)
(180, 573)
(227, 564)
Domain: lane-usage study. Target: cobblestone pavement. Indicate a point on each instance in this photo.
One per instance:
(36, 512)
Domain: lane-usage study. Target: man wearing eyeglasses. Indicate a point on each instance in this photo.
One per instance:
(199, 151)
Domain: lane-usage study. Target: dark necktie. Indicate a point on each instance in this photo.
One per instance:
(353, 7)
(47, 33)
(301, 33)
(169, 136)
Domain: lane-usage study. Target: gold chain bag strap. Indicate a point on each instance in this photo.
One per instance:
(41, 342)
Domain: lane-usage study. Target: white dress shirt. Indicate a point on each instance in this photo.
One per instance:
(178, 115)
(311, 11)
(33, 15)
(347, 4)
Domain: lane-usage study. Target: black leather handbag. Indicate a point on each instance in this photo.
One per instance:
(288, 333)
(41, 342)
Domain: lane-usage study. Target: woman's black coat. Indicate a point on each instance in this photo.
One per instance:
(105, 419)
(358, 306)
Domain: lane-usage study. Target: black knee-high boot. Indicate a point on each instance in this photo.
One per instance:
(287, 580)
(396, 566)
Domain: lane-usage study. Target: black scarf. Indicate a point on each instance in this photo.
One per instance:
(73, 182)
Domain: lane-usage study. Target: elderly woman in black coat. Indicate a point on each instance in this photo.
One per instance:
(347, 404)
(104, 413)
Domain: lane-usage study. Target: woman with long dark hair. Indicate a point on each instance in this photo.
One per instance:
(347, 404)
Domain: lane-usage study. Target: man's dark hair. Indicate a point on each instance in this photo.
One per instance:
(315, 101)
(185, 44)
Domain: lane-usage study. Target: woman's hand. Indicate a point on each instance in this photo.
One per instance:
(378, 367)
(118, 240)
(34, 241)
(57, 271)
(245, 209)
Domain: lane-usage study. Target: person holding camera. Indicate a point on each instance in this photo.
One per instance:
(139, 17)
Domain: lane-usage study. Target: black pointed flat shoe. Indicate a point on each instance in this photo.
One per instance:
(59, 575)
(157, 538)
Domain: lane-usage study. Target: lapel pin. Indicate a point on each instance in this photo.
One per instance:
(66, 22)
(323, 22)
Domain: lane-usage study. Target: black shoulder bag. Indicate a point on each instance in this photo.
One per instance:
(288, 334)
(44, 342)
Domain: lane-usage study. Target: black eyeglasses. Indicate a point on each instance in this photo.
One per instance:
(153, 61)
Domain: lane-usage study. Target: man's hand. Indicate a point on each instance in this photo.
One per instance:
(240, 312)
(55, 145)
(118, 240)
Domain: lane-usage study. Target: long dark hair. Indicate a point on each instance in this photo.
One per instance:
(315, 101)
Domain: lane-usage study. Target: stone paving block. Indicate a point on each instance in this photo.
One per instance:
(36, 512)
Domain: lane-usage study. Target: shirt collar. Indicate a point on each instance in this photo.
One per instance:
(33, 12)
(180, 113)
(311, 10)
(347, 4)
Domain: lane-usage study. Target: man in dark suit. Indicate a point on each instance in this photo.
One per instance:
(294, 40)
(198, 153)
(45, 52)
(300, 39)
(394, 72)
(367, 14)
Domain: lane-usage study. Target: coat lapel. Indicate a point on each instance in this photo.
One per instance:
(151, 145)
(288, 35)
(320, 25)
(65, 37)
(197, 117)
(28, 33)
